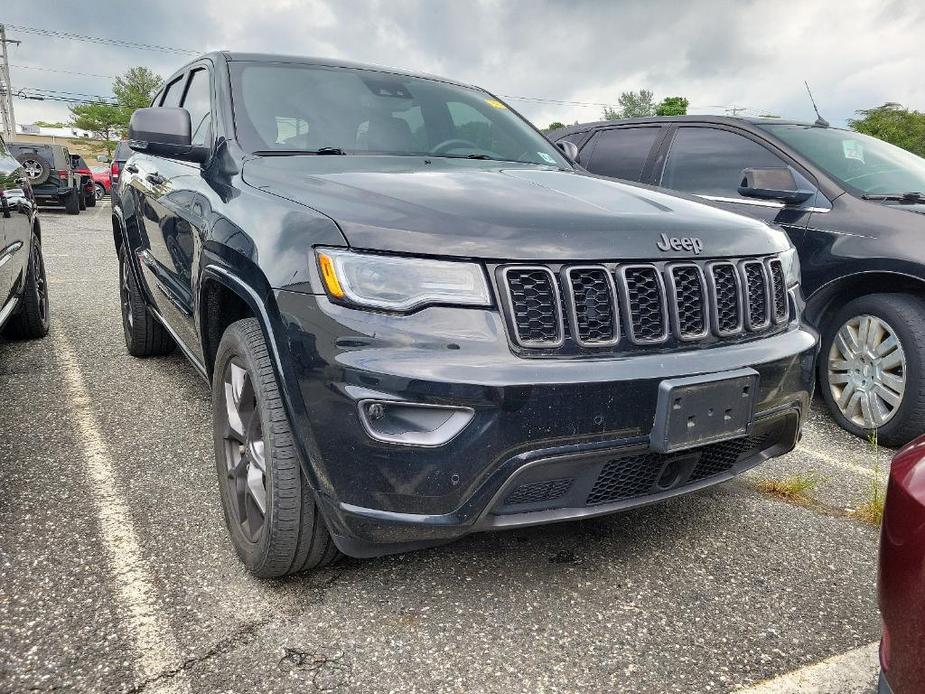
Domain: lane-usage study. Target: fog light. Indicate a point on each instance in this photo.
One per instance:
(413, 424)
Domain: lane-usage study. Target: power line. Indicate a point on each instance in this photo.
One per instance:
(100, 40)
(65, 72)
(98, 97)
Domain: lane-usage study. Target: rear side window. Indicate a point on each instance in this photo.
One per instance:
(622, 152)
(172, 93)
(708, 161)
(199, 104)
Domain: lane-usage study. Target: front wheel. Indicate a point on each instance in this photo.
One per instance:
(271, 513)
(871, 367)
(144, 336)
(99, 190)
(33, 318)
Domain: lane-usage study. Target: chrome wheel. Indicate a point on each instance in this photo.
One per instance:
(867, 371)
(32, 168)
(245, 461)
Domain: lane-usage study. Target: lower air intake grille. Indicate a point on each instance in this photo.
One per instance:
(625, 478)
(534, 492)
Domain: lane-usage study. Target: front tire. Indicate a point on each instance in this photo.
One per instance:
(144, 336)
(270, 510)
(871, 367)
(33, 319)
(99, 190)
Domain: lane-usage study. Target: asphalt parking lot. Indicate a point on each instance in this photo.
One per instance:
(116, 575)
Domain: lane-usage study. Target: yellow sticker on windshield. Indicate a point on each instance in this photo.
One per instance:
(494, 103)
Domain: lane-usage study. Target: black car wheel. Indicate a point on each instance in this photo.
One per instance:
(144, 336)
(99, 191)
(82, 201)
(870, 367)
(36, 168)
(33, 318)
(270, 510)
(72, 202)
(90, 198)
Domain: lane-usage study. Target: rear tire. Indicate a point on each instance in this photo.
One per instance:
(144, 336)
(91, 199)
(82, 201)
(270, 510)
(885, 380)
(99, 190)
(33, 319)
(72, 202)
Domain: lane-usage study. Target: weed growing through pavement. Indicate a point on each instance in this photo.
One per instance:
(793, 488)
(871, 511)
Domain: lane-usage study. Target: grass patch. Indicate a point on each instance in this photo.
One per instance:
(792, 488)
(871, 509)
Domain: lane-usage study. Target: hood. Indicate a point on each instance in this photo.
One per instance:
(491, 210)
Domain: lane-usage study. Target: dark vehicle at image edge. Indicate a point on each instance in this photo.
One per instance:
(419, 321)
(23, 291)
(854, 208)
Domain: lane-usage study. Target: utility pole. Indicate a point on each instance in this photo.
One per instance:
(7, 117)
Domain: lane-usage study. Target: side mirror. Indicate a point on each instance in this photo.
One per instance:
(164, 132)
(102, 158)
(569, 149)
(773, 183)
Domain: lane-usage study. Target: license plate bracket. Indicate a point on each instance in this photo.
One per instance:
(698, 410)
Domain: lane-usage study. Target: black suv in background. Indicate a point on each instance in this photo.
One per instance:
(50, 172)
(419, 321)
(854, 207)
(23, 290)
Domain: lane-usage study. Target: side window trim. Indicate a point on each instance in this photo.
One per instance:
(190, 73)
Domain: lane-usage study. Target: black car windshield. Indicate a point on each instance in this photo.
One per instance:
(299, 107)
(862, 163)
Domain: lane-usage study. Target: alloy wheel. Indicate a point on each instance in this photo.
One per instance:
(32, 168)
(128, 318)
(867, 371)
(245, 460)
(41, 287)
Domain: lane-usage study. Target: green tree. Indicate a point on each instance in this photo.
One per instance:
(632, 105)
(895, 124)
(105, 120)
(672, 106)
(48, 124)
(136, 88)
(555, 125)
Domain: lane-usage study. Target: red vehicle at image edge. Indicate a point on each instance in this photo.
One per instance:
(902, 575)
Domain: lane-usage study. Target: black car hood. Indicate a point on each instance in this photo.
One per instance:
(493, 210)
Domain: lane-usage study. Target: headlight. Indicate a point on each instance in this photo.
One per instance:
(400, 284)
(791, 263)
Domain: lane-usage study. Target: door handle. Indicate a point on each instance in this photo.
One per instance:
(131, 168)
(155, 178)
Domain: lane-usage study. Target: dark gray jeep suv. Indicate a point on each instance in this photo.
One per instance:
(420, 321)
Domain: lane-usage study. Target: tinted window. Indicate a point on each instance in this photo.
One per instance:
(710, 161)
(199, 105)
(622, 152)
(307, 107)
(172, 93)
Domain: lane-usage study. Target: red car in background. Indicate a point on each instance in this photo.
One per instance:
(80, 167)
(102, 181)
(902, 575)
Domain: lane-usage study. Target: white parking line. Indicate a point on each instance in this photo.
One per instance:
(844, 464)
(134, 590)
(849, 672)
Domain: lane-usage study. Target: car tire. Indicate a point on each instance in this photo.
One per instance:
(91, 199)
(99, 190)
(270, 510)
(144, 335)
(82, 201)
(72, 202)
(36, 167)
(875, 370)
(33, 319)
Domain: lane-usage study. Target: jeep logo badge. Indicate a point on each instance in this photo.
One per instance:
(684, 243)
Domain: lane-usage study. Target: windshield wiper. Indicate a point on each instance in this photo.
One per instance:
(321, 151)
(899, 197)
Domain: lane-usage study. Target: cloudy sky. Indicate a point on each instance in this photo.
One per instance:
(746, 54)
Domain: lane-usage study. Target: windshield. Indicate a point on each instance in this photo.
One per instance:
(860, 162)
(307, 108)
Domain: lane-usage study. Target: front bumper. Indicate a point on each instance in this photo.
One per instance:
(544, 434)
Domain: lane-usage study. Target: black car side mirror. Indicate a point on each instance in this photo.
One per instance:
(569, 149)
(165, 132)
(773, 183)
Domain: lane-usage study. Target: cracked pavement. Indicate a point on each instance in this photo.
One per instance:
(704, 593)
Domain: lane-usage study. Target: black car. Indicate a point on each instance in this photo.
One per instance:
(853, 206)
(23, 290)
(420, 321)
(50, 172)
